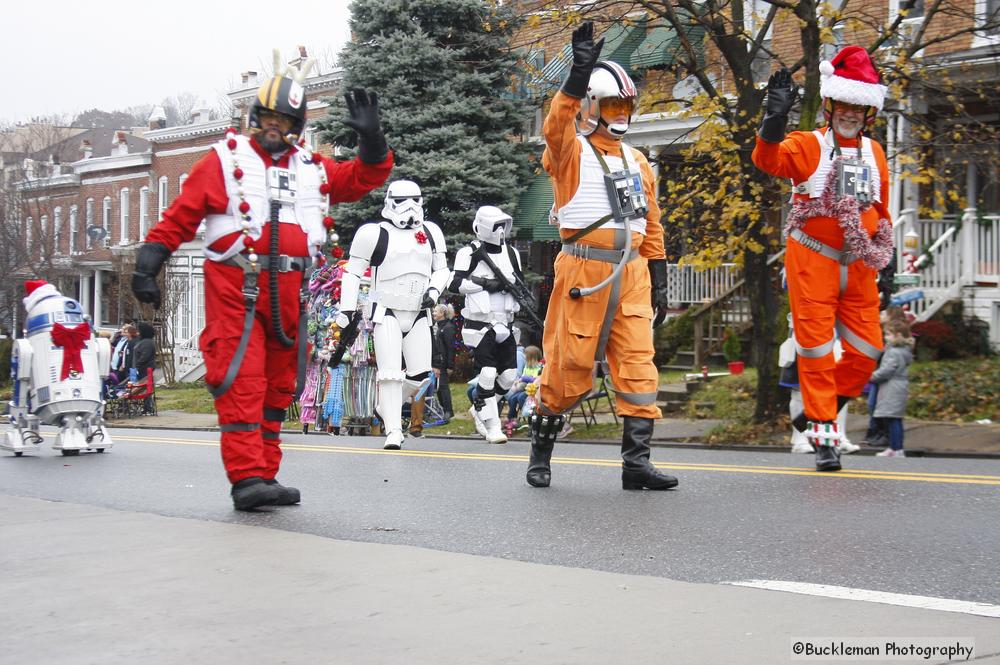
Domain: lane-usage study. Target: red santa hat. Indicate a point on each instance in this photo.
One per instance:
(32, 284)
(851, 77)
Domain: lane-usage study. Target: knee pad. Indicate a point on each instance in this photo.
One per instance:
(390, 375)
(487, 377)
(506, 380)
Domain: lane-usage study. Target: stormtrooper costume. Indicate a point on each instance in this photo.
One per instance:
(409, 271)
(489, 313)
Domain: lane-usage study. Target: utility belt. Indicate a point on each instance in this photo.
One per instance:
(505, 319)
(597, 254)
(807, 241)
(285, 263)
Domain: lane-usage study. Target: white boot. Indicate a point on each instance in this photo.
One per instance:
(477, 421)
(491, 421)
(390, 407)
(846, 447)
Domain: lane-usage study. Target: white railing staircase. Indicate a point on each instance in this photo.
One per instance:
(188, 363)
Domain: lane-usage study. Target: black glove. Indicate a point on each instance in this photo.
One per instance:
(489, 285)
(148, 262)
(364, 119)
(658, 295)
(430, 298)
(886, 283)
(781, 94)
(585, 55)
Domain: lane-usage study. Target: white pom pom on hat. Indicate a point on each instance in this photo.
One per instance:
(826, 68)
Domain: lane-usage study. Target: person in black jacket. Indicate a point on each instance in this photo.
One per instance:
(445, 335)
(144, 359)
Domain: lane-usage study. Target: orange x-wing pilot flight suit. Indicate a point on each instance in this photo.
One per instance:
(572, 338)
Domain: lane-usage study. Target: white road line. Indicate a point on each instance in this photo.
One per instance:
(867, 595)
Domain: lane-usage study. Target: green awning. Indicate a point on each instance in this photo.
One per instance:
(662, 46)
(531, 219)
(552, 73)
(621, 40)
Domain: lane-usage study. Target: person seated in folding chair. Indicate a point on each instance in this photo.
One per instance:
(143, 359)
(485, 270)
(428, 392)
(518, 393)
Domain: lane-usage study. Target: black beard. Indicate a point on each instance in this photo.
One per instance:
(275, 145)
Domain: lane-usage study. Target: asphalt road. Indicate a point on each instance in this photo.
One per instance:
(913, 526)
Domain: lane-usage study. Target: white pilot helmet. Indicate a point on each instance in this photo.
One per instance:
(609, 79)
(404, 205)
(492, 225)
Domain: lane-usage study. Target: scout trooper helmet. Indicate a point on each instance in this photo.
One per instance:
(404, 205)
(492, 225)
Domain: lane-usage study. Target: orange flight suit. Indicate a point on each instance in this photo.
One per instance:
(814, 283)
(573, 327)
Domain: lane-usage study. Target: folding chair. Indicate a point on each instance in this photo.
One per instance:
(433, 411)
(135, 398)
(590, 404)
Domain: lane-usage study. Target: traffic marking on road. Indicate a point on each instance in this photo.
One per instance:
(846, 474)
(870, 596)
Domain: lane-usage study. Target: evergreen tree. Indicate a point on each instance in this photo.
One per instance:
(442, 70)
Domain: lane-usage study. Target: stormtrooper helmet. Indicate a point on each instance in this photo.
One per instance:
(492, 225)
(404, 204)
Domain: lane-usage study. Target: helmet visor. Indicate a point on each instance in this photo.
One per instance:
(617, 105)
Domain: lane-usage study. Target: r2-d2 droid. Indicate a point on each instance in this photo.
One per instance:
(58, 371)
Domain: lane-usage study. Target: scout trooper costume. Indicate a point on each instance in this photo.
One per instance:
(489, 312)
(408, 272)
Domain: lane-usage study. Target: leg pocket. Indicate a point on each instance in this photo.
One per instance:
(578, 344)
(217, 343)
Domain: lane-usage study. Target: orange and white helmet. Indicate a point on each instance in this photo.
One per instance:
(608, 79)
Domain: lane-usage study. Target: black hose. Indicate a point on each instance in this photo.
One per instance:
(272, 269)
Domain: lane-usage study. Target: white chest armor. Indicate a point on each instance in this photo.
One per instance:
(307, 212)
(817, 181)
(590, 202)
(492, 307)
(404, 275)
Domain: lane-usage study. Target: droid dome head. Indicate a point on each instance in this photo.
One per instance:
(404, 204)
(492, 225)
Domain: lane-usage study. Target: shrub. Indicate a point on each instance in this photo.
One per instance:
(936, 339)
(731, 345)
(672, 336)
(6, 345)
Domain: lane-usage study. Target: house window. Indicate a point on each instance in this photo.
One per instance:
(143, 212)
(56, 229)
(988, 20)
(88, 219)
(73, 229)
(162, 197)
(183, 309)
(44, 235)
(106, 220)
(180, 182)
(28, 234)
(198, 303)
(123, 217)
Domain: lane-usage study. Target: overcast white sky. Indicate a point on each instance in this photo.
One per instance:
(67, 56)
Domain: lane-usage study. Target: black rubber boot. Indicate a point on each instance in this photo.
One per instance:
(289, 495)
(827, 458)
(543, 438)
(251, 493)
(637, 471)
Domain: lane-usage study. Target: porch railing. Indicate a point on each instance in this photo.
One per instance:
(188, 363)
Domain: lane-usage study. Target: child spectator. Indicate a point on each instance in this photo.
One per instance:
(893, 383)
(517, 395)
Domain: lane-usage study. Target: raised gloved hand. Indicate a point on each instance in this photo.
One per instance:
(781, 94)
(585, 55)
(659, 296)
(430, 298)
(490, 285)
(363, 118)
(886, 283)
(148, 262)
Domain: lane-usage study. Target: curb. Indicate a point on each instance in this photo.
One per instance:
(656, 443)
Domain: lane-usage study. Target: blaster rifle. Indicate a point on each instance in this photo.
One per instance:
(347, 337)
(518, 289)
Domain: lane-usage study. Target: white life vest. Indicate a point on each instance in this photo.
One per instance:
(307, 212)
(817, 181)
(590, 202)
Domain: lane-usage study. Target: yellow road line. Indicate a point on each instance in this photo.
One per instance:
(867, 474)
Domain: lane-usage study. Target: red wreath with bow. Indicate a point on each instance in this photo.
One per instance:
(72, 340)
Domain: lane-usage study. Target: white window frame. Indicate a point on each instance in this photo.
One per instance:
(198, 303)
(143, 212)
(56, 229)
(88, 219)
(124, 197)
(180, 182)
(908, 25)
(43, 233)
(28, 234)
(162, 195)
(106, 220)
(978, 38)
(74, 230)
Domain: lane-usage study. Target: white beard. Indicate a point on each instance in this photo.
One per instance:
(847, 130)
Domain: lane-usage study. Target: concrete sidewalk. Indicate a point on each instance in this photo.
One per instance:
(84, 584)
(922, 437)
